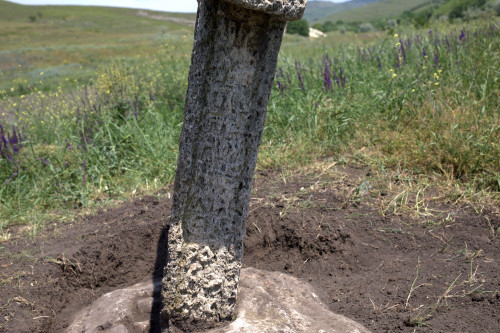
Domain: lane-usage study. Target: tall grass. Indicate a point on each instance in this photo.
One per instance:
(116, 136)
(425, 101)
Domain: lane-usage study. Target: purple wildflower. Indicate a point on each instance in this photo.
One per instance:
(84, 177)
(10, 143)
(281, 85)
(327, 78)
(336, 78)
(68, 145)
(301, 83)
(45, 162)
(327, 60)
(462, 35)
(342, 77)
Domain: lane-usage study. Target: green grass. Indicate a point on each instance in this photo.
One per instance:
(427, 117)
(65, 38)
(448, 7)
(317, 10)
(115, 133)
(378, 10)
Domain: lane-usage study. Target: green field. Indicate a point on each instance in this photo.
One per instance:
(92, 100)
(378, 10)
(72, 42)
(316, 10)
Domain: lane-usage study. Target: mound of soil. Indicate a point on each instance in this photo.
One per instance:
(431, 271)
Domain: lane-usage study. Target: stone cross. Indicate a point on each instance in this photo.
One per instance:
(233, 63)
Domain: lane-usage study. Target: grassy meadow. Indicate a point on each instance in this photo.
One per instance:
(92, 101)
(379, 10)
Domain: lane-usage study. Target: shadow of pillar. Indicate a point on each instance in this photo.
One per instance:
(160, 262)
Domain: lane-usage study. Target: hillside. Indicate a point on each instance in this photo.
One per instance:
(381, 9)
(57, 39)
(316, 10)
(79, 25)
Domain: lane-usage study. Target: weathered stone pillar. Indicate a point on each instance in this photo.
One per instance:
(233, 63)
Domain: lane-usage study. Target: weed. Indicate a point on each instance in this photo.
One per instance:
(5, 235)
(412, 288)
(470, 285)
(419, 320)
(494, 233)
(66, 264)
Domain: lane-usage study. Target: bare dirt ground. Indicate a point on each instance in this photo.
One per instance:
(431, 268)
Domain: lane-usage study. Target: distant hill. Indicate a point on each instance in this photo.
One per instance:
(30, 26)
(104, 17)
(376, 10)
(70, 42)
(316, 10)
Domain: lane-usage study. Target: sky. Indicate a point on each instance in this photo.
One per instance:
(182, 6)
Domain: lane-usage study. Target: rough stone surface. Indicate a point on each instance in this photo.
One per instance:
(277, 302)
(233, 63)
(286, 10)
(267, 302)
(120, 311)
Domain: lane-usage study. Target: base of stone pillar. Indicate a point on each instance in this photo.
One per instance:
(267, 302)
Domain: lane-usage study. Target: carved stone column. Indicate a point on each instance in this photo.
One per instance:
(233, 64)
